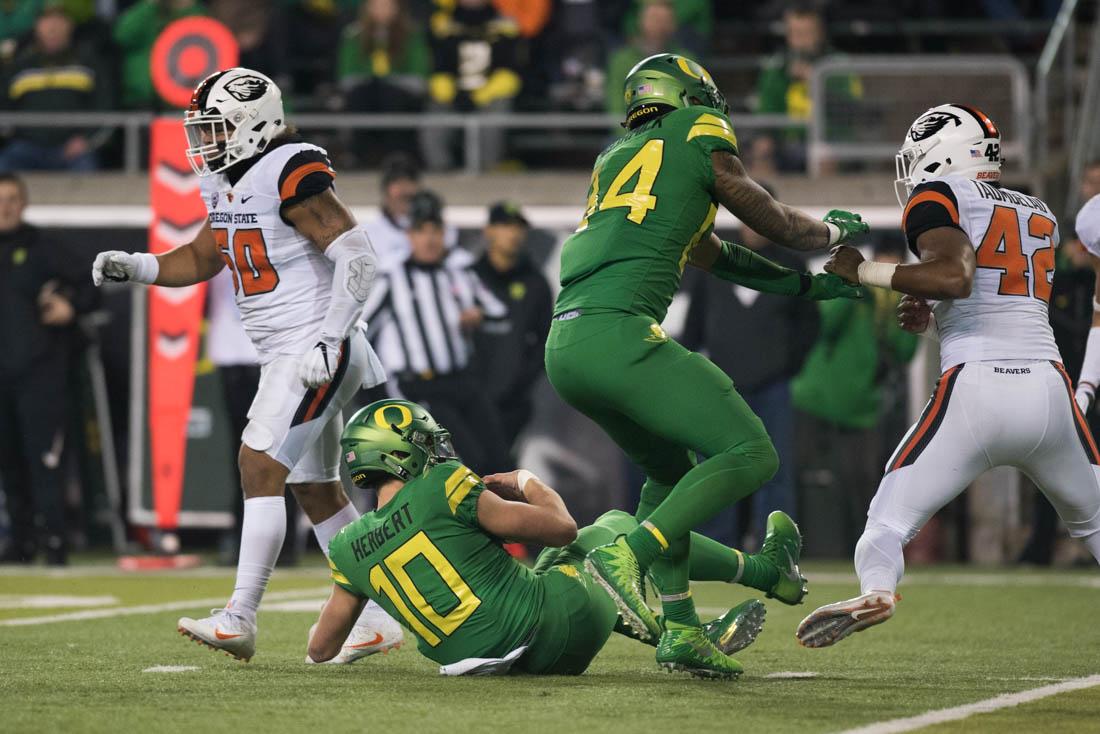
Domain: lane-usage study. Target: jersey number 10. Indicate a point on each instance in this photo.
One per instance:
(1002, 249)
(247, 260)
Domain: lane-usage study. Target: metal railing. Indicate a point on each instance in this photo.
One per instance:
(1058, 93)
(869, 127)
(134, 123)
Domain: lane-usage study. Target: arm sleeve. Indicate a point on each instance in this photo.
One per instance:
(306, 174)
(931, 205)
(1088, 225)
(352, 281)
(741, 265)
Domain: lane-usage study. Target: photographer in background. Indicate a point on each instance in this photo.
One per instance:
(44, 287)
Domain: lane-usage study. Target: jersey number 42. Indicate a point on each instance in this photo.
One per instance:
(1002, 249)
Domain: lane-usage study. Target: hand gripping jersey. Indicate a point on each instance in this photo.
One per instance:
(281, 280)
(1014, 236)
(650, 201)
(424, 558)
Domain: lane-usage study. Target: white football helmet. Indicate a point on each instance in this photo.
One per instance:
(950, 138)
(233, 115)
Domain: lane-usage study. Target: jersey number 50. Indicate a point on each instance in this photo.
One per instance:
(247, 260)
(1002, 249)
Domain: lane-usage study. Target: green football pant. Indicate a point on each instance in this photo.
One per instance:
(577, 618)
(662, 404)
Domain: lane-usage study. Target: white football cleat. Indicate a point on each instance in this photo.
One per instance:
(831, 623)
(379, 634)
(223, 630)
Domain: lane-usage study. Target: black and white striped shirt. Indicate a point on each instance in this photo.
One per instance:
(413, 316)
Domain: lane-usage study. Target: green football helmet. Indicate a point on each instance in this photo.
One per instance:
(672, 80)
(393, 438)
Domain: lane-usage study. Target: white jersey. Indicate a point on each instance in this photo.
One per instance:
(1088, 225)
(282, 281)
(1014, 237)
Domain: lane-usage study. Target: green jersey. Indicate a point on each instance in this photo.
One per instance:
(424, 559)
(650, 201)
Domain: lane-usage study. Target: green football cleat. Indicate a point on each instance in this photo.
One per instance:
(689, 650)
(736, 629)
(615, 568)
(783, 547)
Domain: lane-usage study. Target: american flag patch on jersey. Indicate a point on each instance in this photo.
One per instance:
(976, 153)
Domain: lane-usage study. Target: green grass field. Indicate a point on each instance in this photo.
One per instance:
(959, 637)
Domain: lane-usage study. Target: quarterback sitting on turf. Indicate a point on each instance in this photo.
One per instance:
(431, 556)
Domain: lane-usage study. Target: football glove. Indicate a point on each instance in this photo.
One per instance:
(119, 267)
(318, 365)
(843, 225)
(827, 286)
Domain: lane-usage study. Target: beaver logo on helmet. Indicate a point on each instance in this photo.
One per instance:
(927, 126)
(246, 88)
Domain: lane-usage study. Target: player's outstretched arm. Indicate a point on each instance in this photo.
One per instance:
(945, 270)
(781, 224)
(741, 265)
(188, 264)
(533, 512)
(326, 222)
(337, 618)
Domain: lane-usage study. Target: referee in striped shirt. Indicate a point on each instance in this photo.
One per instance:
(421, 313)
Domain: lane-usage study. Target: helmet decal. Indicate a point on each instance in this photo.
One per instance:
(246, 88)
(384, 422)
(930, 124)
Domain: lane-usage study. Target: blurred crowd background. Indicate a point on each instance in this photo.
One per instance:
(837, 383)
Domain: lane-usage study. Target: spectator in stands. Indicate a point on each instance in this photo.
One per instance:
(313, 29)
(509, 350)
(422, 313)
(695, 19)
(44, 287)
(34, 84)
(475, 69)
(384, 66)
(784, 85)
(16, 22)
(730, 322)
(136, 29)
(260, 32)
(531, 16)
(839, 397)
(656, 33)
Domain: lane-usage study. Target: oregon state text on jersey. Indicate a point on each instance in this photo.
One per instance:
(1014, 237)
(281, 280)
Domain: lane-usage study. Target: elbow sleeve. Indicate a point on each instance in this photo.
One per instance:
(352, 279)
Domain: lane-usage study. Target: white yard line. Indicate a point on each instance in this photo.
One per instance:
(171, 669)
(958, 713)
(152, 608)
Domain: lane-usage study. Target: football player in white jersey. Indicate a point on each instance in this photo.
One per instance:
(302, 269)
(986, 260)
(1088, 231)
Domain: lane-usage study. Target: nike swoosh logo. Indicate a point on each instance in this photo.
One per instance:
(222, 636)
(858, 614)
(725, 638)
(792, 574)
(361, 645)
(244, 199)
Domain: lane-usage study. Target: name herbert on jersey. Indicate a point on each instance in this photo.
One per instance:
(366, 544)
(234, 218)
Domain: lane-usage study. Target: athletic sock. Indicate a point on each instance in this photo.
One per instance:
(263, 529)
(647, 542)
(670, 575)
(680, 609)
(327, 529)
(713, 561)
(879, 559)
(756, 573)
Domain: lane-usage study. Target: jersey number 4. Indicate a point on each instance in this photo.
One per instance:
(645, 165)
(1002, 249)
(247, 260)
(426, 621)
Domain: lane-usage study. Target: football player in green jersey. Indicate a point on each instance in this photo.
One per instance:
(651, 208)
(431, 555)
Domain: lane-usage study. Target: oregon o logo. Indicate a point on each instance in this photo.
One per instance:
(185, 53)
(382, 421)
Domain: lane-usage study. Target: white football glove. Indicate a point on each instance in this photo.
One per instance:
(318, 365)
(1084, 397)
(119, 267)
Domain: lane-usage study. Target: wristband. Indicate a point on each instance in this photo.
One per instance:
(146, 268)
(522, 477)
(876, 274)
(834, 233)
